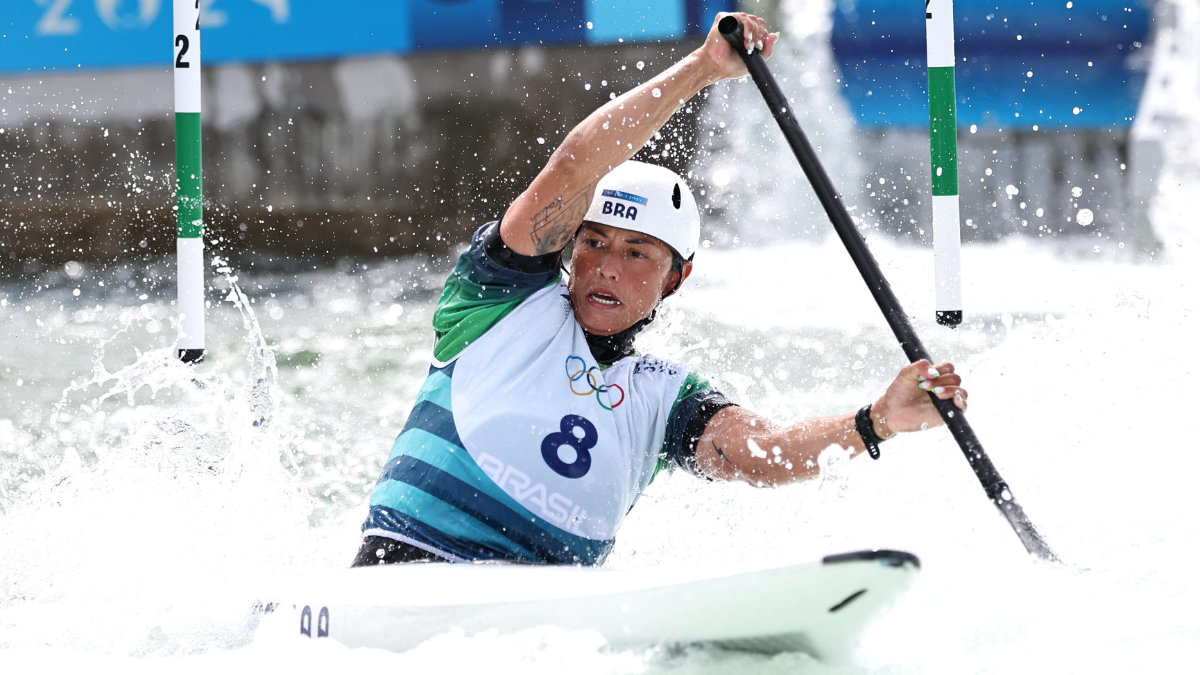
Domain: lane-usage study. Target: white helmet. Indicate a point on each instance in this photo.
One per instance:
(648, 199)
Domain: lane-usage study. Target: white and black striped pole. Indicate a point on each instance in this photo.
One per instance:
(189, 243)
(943, 155)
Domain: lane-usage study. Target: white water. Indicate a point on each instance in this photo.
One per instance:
(144, 537)
(141, 503)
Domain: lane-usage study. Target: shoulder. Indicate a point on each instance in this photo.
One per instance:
(487, 284)
(489, 261)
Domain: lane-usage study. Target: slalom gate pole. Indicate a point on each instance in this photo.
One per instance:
(189, 242)
(995, 487)
(943, 161)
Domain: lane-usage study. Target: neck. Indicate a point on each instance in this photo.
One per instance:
(608, 349)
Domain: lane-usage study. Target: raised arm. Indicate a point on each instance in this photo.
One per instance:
(739, 445)
(544, 218)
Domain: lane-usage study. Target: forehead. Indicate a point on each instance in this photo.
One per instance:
(621, 234)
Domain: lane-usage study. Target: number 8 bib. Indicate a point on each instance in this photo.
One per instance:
(566, 436)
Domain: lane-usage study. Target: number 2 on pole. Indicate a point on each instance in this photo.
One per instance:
(181, 41)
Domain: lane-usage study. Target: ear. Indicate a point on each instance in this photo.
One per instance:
(675, 279)
(687, 271)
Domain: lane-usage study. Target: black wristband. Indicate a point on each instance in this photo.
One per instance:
(866, 428)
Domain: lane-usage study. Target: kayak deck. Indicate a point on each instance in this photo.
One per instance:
(821, 608)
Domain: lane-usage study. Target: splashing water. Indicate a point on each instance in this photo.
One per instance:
(140, 474)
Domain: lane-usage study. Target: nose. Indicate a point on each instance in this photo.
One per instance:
(609, 266)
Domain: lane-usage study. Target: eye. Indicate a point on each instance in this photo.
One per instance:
(637, 254)
(594, 243)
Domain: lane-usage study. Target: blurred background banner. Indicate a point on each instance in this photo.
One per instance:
(1054, 63)
(1047, 92)
(380, 127)
(84, 34)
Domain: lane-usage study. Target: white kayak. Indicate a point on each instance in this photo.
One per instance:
(821, 608)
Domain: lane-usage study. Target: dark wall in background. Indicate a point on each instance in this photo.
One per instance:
(312, 161)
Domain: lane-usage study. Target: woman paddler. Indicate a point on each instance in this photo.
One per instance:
(538, 426)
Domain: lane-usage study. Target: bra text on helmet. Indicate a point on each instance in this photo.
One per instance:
(619, 210)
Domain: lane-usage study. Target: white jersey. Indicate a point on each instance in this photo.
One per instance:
(571, 442)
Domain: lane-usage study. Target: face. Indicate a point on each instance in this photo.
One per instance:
(618, 277)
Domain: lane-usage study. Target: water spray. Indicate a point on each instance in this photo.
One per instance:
(189, 242)
(943, 161)
(993, 484)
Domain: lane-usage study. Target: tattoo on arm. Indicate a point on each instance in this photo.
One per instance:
(555, 224)
(721, 453)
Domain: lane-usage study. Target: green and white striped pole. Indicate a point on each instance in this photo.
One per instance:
(943, 155)
(189, 243)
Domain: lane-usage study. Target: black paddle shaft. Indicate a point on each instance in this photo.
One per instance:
(997, 490)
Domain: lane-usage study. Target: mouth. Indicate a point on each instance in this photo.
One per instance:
(602, 299)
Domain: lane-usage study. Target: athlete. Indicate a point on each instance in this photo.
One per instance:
(538, 426)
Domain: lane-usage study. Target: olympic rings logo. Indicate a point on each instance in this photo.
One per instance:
(590, 377)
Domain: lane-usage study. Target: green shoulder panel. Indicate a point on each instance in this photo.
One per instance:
(475, 298)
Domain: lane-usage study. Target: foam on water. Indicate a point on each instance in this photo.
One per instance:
(142, 502)
(167, 493)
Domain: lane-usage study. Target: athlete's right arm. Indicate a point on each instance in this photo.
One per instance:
(545, 217)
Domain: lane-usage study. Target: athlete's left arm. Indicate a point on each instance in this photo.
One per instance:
(740, 445)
